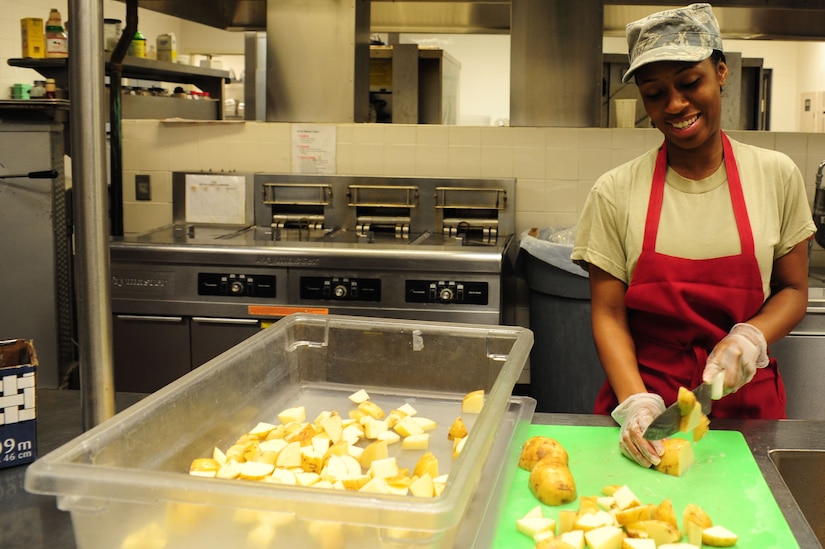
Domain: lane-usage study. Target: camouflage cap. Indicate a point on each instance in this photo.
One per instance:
(682, 34)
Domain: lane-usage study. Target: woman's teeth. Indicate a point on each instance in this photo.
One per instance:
(685, 123)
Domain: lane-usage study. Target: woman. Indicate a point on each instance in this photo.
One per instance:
(697, 251)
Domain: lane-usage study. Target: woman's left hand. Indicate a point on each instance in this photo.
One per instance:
(738, 355)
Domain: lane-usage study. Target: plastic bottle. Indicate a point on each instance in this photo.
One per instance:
(57, 43)
(138, 46)
(51, 89)
(38, 91)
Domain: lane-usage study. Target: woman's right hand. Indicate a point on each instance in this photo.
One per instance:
(634, 415)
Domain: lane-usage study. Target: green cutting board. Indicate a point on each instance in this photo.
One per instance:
(724, 480)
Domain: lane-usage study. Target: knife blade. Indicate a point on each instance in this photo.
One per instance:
(668, 422)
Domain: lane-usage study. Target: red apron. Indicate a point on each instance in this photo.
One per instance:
(679, 309)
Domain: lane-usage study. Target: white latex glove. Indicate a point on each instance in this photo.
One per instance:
(739, 354)
(634, 415)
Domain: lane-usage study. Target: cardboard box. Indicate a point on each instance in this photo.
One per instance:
(18, 433)
(167, 47)
(33, 37)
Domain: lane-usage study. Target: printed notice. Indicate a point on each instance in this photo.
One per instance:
(313, 149)
(216, 199)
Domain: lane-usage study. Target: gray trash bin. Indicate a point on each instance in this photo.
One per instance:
(565, 372)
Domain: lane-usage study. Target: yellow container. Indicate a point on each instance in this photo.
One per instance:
(32, 36)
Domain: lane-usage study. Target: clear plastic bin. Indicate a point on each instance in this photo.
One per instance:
(127, 478)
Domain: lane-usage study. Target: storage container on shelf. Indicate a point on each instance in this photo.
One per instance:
(128, 476)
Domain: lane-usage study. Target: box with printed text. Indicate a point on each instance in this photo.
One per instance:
(18, 433)
(32, 37)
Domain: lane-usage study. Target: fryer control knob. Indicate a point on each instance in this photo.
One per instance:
(340, 291)
(236, 287)
(445, 295)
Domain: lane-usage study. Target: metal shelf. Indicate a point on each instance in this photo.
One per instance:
(207, 79)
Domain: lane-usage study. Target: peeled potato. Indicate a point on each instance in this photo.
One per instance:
(552, 482)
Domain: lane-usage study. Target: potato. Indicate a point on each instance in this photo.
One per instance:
(664, 511)
(692, 419)
(552, 482)
(638, 543)
(606, 537)
(457, 430)
(658, 530)
(701, 430)
(553, 543)
(694, 513)
(718, 536)
(537, 448)
(635, 514)
(473, 402)
(678, 457)
(686, 401)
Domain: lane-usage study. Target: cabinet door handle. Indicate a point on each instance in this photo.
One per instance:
(151, 318)
(212, 320)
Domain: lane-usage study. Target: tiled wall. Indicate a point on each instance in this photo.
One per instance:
(555, 167)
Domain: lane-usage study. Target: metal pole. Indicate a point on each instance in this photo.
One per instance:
(92, 268)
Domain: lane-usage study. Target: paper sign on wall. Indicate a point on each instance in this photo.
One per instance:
(216, 199)
(313, 149)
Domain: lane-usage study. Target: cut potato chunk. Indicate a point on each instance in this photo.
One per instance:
(416, 442)
(625, 498)
(566, 520)
(574, 538)
(530, 526)
(204, 467)
(553, 543)
(408, 426)
(473, 402)
(664, 511)
(635, 514)
(591, 521)
(695, 514)
(359, 396)
(458, 446)
(658, 530)
(423, 486)
(701, 430)
(296, 414)
(638, 543)
(678, 457)
(692, 419)
(606, 537)
(685, 400)
(372, 409)
(457, 430)
(427, 464)
(718, 536)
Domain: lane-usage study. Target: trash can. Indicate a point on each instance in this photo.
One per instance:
(565, 372)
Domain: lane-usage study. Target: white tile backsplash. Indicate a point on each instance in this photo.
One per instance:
(555, 167)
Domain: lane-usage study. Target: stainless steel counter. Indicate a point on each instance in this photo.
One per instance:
(34, 522)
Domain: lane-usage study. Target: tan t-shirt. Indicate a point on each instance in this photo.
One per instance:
(697, 219)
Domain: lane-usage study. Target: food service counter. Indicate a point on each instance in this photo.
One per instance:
(29, 521)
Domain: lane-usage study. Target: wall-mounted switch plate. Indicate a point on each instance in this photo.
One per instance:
(143, 187)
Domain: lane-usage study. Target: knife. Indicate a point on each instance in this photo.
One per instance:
(668, 422)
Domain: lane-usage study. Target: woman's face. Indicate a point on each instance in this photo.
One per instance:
(684, 100)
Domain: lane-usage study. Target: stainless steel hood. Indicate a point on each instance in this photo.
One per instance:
(752, 19)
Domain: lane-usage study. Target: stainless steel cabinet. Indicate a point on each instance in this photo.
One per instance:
(801, 356)
(212, 336)
(149, 351)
